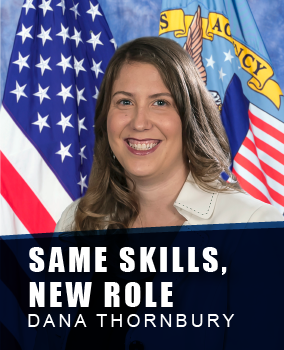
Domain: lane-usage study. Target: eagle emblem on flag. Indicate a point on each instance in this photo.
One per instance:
(193, 46)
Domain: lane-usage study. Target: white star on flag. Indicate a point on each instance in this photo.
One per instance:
(29, 5)
(44, 35)
(97, 68)
(210, 62)
(82, 182)
(114, 43)
(62, 4)
(76, 37)
(42, 93)
(75, 9)
(221, 74)
(96, 94)
(45, 6)
(65, 63)
(78, 65)
(81, 154)
(64, 122)
(41, 122)
(22, 62)
(64, 33)
(19, 91)
(64, 151)
(228, 56)
(94, 10)
(80, 95)
(81, 125)
(43, 64)
(25, 33)
(65, 92)
(95, 40)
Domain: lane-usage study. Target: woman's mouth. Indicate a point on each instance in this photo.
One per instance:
(142, 147)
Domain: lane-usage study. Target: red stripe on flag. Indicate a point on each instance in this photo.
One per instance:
(23, 201)
(271, 172)
(249, 166)
(250, 145)
(254, 170)
(265, 127)
(249, 188)
(266, 148)
(271, 151)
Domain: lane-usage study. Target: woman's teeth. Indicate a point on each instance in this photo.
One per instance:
(142, 146)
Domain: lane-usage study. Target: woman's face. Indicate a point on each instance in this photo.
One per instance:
(144, 128)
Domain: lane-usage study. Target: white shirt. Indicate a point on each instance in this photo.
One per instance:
(200, 207)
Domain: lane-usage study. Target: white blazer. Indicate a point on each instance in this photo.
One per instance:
(200, 207)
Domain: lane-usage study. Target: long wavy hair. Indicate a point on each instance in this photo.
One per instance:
(109, 202)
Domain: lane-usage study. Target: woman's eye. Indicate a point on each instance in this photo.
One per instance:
(160, 103)
(124, 102)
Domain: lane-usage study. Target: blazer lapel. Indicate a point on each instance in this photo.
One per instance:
(192, 200)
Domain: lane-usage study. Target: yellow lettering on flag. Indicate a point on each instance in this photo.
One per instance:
(261, 73)
(216, 24)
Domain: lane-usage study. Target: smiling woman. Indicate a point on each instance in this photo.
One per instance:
(160, 148)
(145, 135)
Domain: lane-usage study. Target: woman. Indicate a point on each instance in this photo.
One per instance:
(159, 152)
(160, 148)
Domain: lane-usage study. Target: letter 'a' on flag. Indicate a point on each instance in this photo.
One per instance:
(224, 42)
(60, 54)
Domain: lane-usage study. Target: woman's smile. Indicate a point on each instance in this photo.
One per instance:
(142, 147)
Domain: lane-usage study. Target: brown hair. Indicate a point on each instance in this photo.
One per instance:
(108, 201)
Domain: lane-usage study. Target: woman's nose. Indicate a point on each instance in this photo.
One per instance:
(141, 119)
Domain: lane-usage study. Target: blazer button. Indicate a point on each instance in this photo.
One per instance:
(136, 345)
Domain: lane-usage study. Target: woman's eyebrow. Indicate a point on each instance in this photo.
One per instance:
(123, 92)
(151, 96)
(160, 94)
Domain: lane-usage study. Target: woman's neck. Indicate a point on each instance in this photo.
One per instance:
(156, 199)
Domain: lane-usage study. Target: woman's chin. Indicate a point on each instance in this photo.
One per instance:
(142, 173)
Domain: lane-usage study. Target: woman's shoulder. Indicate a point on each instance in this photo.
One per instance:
(245, 208)
(201, 207)
(67, 218)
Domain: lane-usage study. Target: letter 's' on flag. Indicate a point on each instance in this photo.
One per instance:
(60, 53)
(225, 44)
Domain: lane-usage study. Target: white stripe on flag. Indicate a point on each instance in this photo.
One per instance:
(270, 161)
(271, 141)
(249, 177)
(32, 168)
(248, 154)
(11, 224)
(273, 163)
(267, 118)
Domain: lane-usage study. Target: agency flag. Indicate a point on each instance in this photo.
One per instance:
(60, 53)
(223, 40)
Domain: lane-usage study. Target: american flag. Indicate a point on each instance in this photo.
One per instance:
(257, 144)
(60, 54)
(259, 164)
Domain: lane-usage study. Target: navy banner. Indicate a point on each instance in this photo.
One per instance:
(199, 287)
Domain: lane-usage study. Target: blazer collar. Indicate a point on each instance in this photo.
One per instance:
(192, 200)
